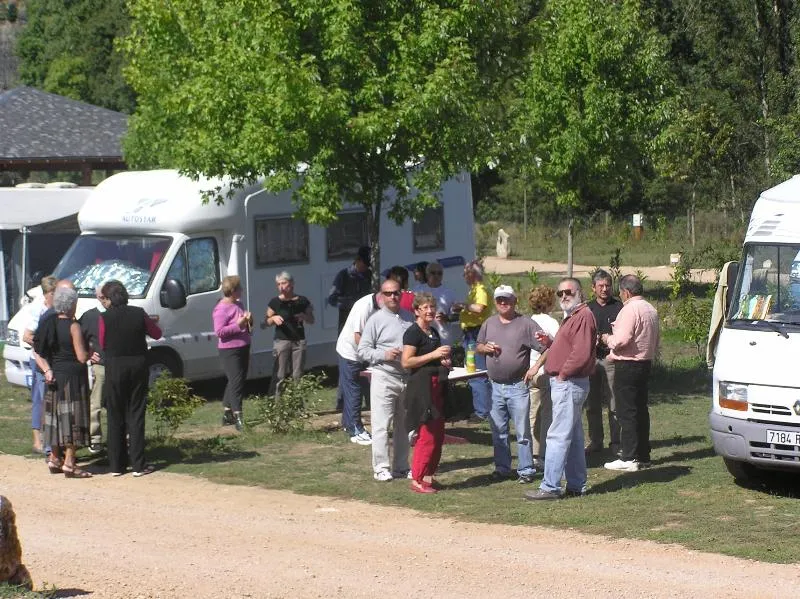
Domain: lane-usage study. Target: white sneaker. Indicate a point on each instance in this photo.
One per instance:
(623, 465)
(362, 438)
(383, 476)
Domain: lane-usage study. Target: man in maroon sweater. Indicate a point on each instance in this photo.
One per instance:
(570, 363)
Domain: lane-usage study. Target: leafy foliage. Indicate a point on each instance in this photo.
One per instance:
(287, 410)
(171, 401)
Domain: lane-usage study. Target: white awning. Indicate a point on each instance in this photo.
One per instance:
(30, 207)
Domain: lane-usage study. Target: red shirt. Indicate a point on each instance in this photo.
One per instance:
(572, 353)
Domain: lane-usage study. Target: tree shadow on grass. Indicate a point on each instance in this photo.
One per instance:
(479, 480)
(472, 435)
(196, 451)
(676, 441)
(628, 480)
(685, 456)
(465, 464)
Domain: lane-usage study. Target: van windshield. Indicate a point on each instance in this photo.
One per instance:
(95, 259)
(768, 286)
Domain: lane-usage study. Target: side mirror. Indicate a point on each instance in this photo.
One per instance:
(731, 271)
(173, 295)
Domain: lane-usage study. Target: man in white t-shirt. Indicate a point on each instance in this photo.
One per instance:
(449, 330)
(351, 383)
(542, 301)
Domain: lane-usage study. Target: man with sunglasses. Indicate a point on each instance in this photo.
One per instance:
(507, 339)
(445, 300)
(570, 362)
(381, 346)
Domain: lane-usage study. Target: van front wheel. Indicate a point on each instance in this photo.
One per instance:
(742, 471)
(159, 362)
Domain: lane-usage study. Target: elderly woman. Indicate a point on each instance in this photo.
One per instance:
(288, 313)
(232, 324)
(542, 300)
(123, 332)
(427, 360)
(472, 314)
(61, 354)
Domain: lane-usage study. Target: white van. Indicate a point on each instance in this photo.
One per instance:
(755, 413)
(151, 231)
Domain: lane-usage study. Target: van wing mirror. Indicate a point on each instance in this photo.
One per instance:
(173, 294)
(731, 271)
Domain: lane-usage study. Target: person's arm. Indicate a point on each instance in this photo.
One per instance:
(623, 329)
(336, 289)
(273, 318)
(411, 360)
(221, 317)
(78, 345)
(307, 316)
(153, 330)
(536, 366)
(367, 350)
(101, 331)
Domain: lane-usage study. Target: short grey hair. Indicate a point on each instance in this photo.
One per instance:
(64, 300)
(284, 275)
(601, 275)
(632, 284)
(475, 267)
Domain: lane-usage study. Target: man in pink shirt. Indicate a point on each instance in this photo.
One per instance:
(633, 344)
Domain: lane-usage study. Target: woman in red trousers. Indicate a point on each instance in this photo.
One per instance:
(428, 362)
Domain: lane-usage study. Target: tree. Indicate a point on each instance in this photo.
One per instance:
(67, 48)
(347, 98)
(595, 92)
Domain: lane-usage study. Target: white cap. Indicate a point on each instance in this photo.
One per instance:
(504, 291)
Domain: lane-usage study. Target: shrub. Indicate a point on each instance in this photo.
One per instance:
(692, 318)
(171, 402)
(287, 411)
(12, 13)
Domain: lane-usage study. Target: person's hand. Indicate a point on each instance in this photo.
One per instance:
(544, 338)
(494, 349)
(529, 375)
(441, 317)
(393, 354)
(457, 307)
(442, 352)
(447, 363)
(94, 358)
(49, 377)
(301, 318)
(561, 378)
(277, 320)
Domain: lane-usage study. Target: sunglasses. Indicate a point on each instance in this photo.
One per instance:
(503, 300)
(565, 292)
(391, 293)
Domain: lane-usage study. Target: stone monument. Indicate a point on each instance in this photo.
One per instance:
(12, 571)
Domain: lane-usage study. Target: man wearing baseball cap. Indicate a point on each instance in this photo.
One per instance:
(506, 339)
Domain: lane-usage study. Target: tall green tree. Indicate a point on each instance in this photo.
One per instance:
(595, 92)
(346, 97)
(67, 48)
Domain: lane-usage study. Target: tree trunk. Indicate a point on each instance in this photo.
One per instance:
(525, 213)
(691, 217)
(373, 211)
(762, 81)
(570, 248)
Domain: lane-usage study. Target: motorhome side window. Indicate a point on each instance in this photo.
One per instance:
(281, 240)
(197, 266)
(768, 287)
(428, 230)
(346, 235)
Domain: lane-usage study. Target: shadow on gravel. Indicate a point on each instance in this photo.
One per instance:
(59, 593)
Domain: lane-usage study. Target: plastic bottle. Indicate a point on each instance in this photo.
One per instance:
(469, 360)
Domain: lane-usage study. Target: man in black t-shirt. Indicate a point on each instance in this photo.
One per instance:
(605, 308)
(288, 313)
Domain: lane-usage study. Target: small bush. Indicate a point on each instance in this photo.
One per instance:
(12, 12)
(287, 411)
(171, 402)
(692, 318)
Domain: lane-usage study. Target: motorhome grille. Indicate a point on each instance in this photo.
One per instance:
(766, 228)
(780, 453)
(763, 408)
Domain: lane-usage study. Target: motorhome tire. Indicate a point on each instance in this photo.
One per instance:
(161, 361)
(742, 471)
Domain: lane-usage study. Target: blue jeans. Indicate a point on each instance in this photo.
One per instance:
(351, 384)
(37, 396)
(565, 456)
(480, 386)
(511, 401)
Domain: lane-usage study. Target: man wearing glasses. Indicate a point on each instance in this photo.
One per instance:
(445, 299)
(570, 362)
(506, 339)
(381, 346)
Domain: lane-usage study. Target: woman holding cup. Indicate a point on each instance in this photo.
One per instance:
(428, 362)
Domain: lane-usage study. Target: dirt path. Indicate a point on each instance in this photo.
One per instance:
(169, 535)
(654, 273)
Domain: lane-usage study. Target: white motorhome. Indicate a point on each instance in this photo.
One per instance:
(755, 413)
(151, 229)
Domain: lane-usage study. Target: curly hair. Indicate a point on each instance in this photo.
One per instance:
(542, 299)
(422, 299)
(475, 267)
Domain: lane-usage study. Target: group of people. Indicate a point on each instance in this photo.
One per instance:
(66, 415)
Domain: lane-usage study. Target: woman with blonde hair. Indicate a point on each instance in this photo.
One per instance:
(232, 325)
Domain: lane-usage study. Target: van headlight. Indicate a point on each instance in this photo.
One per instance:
(733, 396)
(12, 337)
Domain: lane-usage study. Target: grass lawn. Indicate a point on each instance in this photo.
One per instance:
(687, 497)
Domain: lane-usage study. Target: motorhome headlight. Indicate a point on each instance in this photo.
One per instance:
(12, 337)
(733, 396)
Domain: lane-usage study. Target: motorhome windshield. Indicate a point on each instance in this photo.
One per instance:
(95, 259)
(768, 287)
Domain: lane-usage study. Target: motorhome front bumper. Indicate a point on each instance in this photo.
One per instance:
(766, 445)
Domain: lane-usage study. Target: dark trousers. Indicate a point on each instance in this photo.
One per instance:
(631, 381)
(126, 377)
(235, 361)
(351, 388)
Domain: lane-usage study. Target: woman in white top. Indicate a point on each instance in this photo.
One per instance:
(541, 300)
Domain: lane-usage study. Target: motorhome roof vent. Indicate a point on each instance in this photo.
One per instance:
(766, 228)
(60, 185)
(30, 185)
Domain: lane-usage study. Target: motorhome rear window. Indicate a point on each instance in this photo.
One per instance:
(281, 241)
(346, 235)
(428, 230)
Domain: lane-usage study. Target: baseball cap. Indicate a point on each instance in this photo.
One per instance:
(504, 291)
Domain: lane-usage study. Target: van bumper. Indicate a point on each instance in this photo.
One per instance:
(745, 441)
(18, 365)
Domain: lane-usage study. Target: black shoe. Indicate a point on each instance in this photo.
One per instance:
(574, 493)
(237, 421)
(95, 448)
(475, 419)
(498, 476)
(227, 418)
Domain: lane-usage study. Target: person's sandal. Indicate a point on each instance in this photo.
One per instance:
(75, 472)
(54, 464)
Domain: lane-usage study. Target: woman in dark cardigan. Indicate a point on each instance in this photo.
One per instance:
(123, 335)
(428, 361)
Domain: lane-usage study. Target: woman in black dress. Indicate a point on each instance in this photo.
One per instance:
(62, 355)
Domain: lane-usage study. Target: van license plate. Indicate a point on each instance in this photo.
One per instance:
(783, 437)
